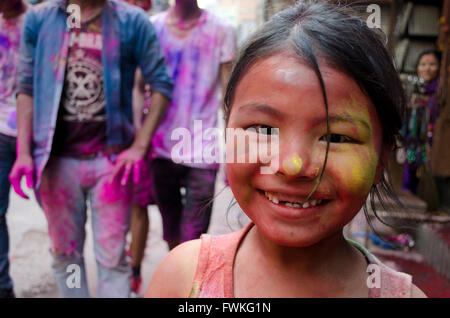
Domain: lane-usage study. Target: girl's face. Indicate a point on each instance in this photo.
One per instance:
(280, 92)
(428, 68)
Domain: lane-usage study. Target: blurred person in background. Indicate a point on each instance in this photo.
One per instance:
(76, 139)
(421, 116)
(12, 16)
(199, 48)
(143, 194)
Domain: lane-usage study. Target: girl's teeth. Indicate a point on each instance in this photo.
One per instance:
(272, 197)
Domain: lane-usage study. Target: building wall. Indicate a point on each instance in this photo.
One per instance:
(246, 16)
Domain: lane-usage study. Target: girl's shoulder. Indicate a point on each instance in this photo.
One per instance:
(198, 268)
(174, 275)
(191, 266)
(385, 281)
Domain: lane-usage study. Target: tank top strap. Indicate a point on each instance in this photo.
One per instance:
(214, 273)
(202, 264)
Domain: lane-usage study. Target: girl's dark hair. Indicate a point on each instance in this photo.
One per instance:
(313, 28)
(436, 53)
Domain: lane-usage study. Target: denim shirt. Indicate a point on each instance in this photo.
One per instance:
(129, 40)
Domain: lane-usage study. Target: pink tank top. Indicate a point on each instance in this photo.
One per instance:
(214, 274)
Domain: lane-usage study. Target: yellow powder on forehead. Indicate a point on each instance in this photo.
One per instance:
(356, 113)
(357, 105)
(292, 165)
(358, 108)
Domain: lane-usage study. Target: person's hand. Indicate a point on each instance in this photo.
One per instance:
(23, 165)
(129, 163)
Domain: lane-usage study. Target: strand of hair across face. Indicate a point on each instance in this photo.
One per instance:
(313, 60)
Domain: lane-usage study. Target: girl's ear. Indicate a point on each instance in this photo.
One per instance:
(382, 163)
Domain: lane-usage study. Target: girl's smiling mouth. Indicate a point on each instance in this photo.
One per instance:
(289, 207)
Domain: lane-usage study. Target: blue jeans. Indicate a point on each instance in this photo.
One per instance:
(66, 187)
(7, 157)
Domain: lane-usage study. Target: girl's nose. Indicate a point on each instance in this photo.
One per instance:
(292, 165)
(298, 166)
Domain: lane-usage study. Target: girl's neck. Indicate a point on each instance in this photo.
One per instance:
(15, 10)
(325, 257)
(329, 268)
(185, 10)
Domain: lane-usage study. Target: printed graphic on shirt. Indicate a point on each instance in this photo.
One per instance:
(84, 98)
(81, 125)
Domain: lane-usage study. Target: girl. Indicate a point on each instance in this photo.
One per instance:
(325, 80)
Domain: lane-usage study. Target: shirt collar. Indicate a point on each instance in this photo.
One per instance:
(62, 4)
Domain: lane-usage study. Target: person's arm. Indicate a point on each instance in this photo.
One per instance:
(131, 158)
(157, 110)
(151, 60)
(225, 73)
(149, 56)
(175, 274)
(138, 100)
(24, 164)
(228, 53)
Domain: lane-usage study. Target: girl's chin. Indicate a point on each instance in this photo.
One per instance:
(298, 229)
(291, 236)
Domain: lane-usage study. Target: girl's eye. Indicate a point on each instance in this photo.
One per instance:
(336, 138)
(264, 129)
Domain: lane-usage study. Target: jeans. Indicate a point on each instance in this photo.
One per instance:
(7, 158)
(185, 218)
(67, 184)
